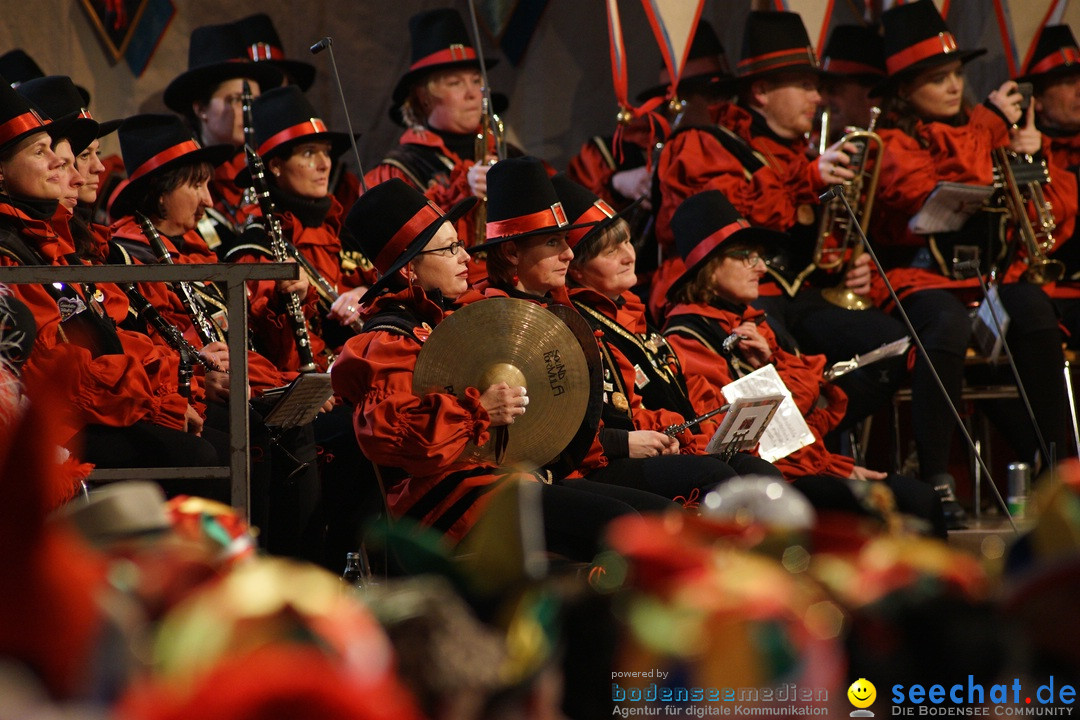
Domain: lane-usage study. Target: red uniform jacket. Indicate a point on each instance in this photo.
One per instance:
(110, 389)
(910, 172)
(801, 374)
(421, 435)
(1063, 157)
(262, 374)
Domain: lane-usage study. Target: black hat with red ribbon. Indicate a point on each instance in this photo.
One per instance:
(522, 202)
(439, 42)
(706, 224)
(706, 71)
(393, 222)
(1056, 54)
(216, 53)
(19, 119)
(775, 42)
(585, 209)
(18, 67)
(262, 43)
(59, 98)
(151, 144)
(856, 52)
(917, 39)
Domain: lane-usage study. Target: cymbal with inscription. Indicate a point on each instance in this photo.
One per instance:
(519, 343)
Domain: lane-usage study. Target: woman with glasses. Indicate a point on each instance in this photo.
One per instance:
(718, 337)
(417, 440)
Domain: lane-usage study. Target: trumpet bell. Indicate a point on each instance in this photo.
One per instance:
(846, 299)
(1044, 272)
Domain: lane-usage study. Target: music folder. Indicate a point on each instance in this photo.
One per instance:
(744, 424)
(298, 402)
(949, 206)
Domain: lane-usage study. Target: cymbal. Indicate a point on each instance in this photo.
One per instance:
(578, 447)
(519, 343)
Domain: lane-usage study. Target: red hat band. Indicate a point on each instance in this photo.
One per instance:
(849, 67)
(941, 44)
(179, 150)
(20, 124)
(775, 60)
(312, 126)
(1056, 59)
(710, 243)
(454, 53)
(599, 211)
(406, 234)
(528, 223)
(264, 51)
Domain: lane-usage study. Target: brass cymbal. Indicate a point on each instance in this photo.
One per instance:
(520, 343)
(578, 447)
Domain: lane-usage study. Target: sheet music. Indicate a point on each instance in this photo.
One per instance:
(745, 421)
(948, 207)
(301, 401)
(788, 431)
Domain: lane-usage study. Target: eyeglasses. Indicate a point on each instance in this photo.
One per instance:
(447, 251)
(750, 258)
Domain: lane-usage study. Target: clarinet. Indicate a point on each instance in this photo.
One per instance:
(324, 285)
(205, 328)
(189, 355)
(673, 430)
(293, 308)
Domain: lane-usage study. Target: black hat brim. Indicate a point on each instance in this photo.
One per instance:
(121, 202)
(78, 131)
(713, 82)
(604, 224)
(297, 72)
(422, 238)
(1052, 74)
(187, 87)
(767, 239)
(890, 83)
(108, 127)
(401, 90)
(339, 143)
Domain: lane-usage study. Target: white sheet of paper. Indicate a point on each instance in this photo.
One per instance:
(788, 431)
(948, 207)
(744, 423)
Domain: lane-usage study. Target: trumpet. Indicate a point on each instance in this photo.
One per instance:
(1037, 242)
(491, 126)
(835, 222)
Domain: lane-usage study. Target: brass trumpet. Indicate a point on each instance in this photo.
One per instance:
(491, 126)
(1038, 242)
(835, 221)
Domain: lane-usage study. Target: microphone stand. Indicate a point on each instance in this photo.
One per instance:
(838, 191)
(327, 43)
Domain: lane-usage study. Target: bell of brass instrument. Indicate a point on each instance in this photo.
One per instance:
(1022, 182)
(836, 222)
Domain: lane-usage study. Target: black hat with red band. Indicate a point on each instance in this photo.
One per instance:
(19, 119)
(59, 98)
(917, 39)
(216, 53)
(393, 222)
(522, 202)
(584, 208)
(704, 225)
(706, 71)
(151, 144)
(263, 44)
(856, 52)
(439, 42)
(1056, 54)
(775, 42)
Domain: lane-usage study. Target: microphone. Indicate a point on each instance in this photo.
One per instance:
(829, 194)
(922, 350)
(327, 43)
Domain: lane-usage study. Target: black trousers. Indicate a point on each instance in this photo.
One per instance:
(813, 325)
(945, 329)
(913, 497)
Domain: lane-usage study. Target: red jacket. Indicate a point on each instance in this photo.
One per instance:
(262, 374)
(800, 373)
(421, 435)
(910, 172)
(110, 389)
(1063, 158)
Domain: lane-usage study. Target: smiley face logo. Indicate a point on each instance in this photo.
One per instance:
(862, 693)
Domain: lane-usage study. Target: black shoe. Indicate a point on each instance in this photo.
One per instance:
(945, 486)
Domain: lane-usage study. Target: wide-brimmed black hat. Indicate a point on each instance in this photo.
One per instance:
(283, 117)
(151, 144)
(263, 44)
(775, 42)
(79, 130)
(393, 222)
(59, 98)
(706, 70)
(18, 118)
(704, 224)
(585, 209)
(1056, 54)
(18, 67)
(216, 53)
(439, 42)
(854, 51)
(522, 202)
(916, 39)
